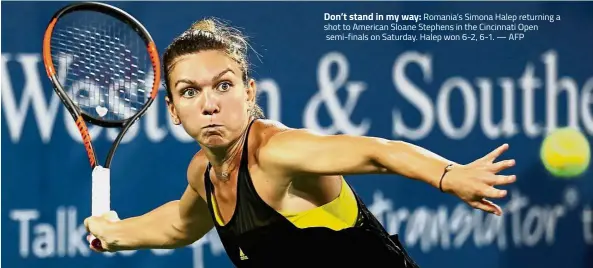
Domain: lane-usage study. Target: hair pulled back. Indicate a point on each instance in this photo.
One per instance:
(210, 34)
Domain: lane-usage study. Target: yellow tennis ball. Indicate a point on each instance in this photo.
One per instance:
(565, 152)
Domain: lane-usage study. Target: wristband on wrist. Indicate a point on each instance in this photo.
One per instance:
(447, 169)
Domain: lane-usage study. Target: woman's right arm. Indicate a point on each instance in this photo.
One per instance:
(175, 224)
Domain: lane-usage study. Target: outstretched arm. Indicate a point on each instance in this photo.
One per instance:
(301, 152)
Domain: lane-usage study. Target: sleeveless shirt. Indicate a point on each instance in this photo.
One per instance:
(259, 236)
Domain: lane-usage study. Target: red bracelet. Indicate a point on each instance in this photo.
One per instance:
(447, 169)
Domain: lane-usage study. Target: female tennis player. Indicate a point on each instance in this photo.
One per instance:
(275, 194)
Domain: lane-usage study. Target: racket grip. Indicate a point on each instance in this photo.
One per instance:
(100, 197)
(96, 243)
(100, 191)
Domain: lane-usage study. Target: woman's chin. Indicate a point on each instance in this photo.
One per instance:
(214, 141)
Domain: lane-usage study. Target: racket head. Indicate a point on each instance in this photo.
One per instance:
(102, 62)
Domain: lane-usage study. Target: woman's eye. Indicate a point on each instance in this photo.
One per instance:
(224, 86)
(190, 92)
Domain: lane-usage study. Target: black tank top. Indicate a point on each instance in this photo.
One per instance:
(258, 236)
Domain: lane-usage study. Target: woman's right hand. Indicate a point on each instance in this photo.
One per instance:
(100, 227)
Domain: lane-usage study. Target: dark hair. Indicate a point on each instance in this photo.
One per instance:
(210, 34)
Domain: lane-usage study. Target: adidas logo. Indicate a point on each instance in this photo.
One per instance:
(242, 255)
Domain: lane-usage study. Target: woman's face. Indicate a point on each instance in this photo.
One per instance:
(209, 97)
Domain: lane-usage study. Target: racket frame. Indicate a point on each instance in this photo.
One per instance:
(79, 115)
(100, 200)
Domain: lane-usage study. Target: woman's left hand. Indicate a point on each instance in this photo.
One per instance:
(475, 182)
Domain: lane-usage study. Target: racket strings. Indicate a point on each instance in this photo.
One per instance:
(102, 64)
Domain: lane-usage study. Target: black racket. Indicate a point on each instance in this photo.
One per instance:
(105, 67)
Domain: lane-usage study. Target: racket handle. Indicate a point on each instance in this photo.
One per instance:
(100, 197)
(96, 243)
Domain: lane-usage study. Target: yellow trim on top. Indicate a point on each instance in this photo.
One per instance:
(338, 214)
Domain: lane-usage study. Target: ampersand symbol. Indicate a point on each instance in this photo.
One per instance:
(327, 95)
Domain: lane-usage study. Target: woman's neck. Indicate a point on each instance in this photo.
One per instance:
(228, 156)
(220, 156)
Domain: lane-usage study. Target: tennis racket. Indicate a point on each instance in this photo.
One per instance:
(105, 68)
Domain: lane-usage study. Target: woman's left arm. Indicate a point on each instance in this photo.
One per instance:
(301, 152)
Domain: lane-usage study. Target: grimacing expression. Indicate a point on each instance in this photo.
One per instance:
(209, 97)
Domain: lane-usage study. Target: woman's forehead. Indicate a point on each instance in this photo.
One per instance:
(202, 68)
(205, 62)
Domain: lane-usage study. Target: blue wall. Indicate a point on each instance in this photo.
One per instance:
(448, 96)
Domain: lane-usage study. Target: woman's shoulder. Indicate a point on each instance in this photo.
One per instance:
(263, 130)
(196, 170)
(261, 140)
(263, 125)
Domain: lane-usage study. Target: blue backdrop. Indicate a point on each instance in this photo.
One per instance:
(458, 98)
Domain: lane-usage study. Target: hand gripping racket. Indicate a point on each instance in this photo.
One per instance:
(105, 68)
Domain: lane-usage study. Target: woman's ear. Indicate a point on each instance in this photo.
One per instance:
(172, 111)
(251, 92)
